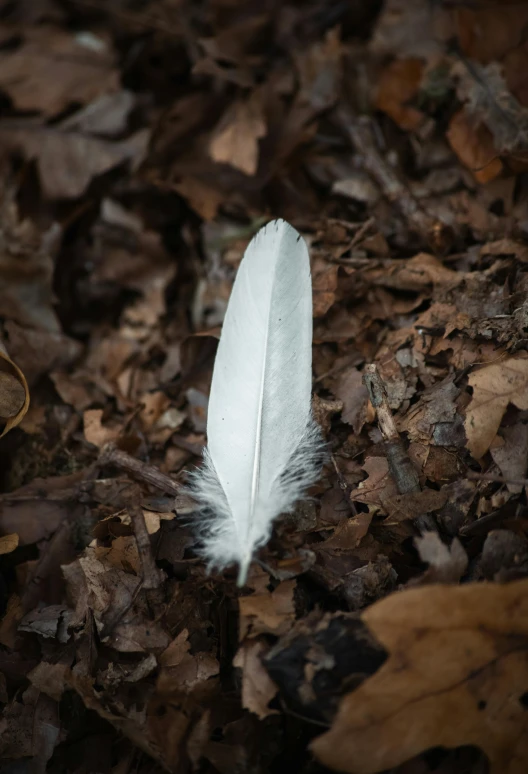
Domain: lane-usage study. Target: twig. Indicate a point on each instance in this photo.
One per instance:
(360, 132)
(362, 230)
(496, 479)
(400, 466)
(344, 486)
(110, 455)
(152, 576)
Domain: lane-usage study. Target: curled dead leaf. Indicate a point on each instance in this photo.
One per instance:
(14, 393)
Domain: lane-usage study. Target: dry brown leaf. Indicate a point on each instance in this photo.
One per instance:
(203, 197)
(94, 430)
(378, 487)
(236, 140)
(267, 612)
(8, 543)
(473, 144)
(494, 387)
(511, 456)
(490, 102)
(14, 392)
(350, 389)
(52, 69)
(258, 689)
(324, 285)
(49, 678)
(489, 31)
(347, 535)
(398, 85)
(457, 674)
(68, 161)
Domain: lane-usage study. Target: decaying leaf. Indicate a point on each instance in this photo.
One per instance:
(14, 392)
(68, 161)
(257, 687)
(236, 140)
(494, 387)
(457, 674)
(8, 543)
(52, 69)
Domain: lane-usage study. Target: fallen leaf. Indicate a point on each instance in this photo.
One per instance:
(8, 543)
(473, 144)
(39, 351)
(457, 674)
(257, 687)
(488, 32)
(506, 246)
(204, 198)
(504, 556)
(106, 116)
(398, 84)
(14, 392)
(94, 430)
(26, 268)
(347, 535)
(378, 487)
(50, 679)
(267, 612)
(494, 388)
(512, 455)
(490, 102)
(52, 69)
(350, 389)
(68, 161)
(324, 286)
(236, 140)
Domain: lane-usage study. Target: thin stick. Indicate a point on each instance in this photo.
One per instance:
(152, 576)
(360, 132)
(400, 466)
(110, 455)
(496, 479)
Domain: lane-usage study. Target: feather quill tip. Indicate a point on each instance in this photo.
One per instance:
(218, 539)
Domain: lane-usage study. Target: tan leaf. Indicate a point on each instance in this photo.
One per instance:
(398, 86)
(8, 543)
(324, 282)
(494, 387)
(52, 69)
(94, 430)
(258, 689)
(457, 674)
(474, 147)
(68, 161)
(237, 137)
(267, 612)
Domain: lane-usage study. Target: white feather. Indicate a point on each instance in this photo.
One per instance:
(264, 448)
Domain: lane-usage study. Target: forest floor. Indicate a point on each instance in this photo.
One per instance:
(385, 625)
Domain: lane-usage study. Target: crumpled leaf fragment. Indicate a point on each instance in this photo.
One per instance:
(494, 387)
(457, 674)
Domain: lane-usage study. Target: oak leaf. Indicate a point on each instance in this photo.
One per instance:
(494, 388)
(457, 674)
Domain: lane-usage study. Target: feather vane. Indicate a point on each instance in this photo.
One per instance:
(264, 448)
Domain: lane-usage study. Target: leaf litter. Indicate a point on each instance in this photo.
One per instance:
(383, 626)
